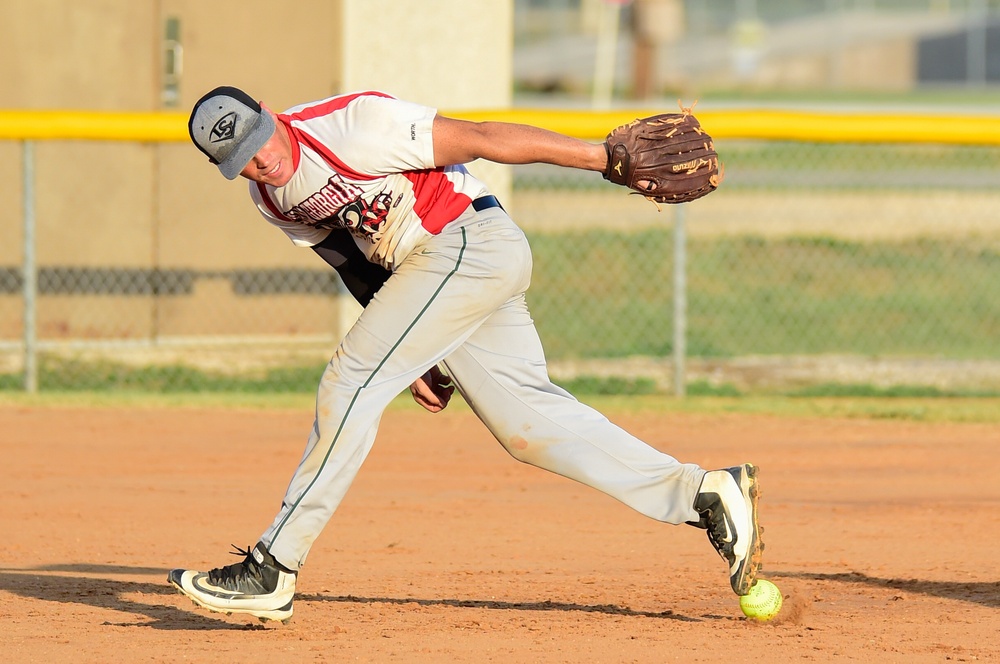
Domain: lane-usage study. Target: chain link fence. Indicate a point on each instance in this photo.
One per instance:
(815, 265)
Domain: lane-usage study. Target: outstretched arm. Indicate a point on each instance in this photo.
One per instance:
(461, 141)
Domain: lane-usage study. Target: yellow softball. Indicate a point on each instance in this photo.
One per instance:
(763, 602)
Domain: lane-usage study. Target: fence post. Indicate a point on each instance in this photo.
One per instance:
(29, 272)
(680, 301)
(606, 52)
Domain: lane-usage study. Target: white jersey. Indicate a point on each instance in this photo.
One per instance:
(365, 162)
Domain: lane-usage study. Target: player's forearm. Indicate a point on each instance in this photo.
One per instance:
(459, 142)
(522, 144)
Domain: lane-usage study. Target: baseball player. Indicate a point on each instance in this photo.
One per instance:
(376, 187)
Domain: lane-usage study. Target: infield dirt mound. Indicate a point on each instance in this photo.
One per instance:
(447, 550)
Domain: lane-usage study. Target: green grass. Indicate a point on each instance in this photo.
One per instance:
(135, 399)
(593, 385)
(69, 375)
(599, 294)
(602, 294)
(915, 409)
(911, 409)
(892, 392)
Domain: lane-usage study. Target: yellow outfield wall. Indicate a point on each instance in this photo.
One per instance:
(765, 124)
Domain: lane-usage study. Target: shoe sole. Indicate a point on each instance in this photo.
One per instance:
(284, 617)
(753, 563)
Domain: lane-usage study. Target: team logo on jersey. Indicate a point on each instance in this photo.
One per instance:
(224, 129)
(365, 218)
(340, 204)
(326, 203)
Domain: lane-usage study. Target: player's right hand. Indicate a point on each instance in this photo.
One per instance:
(433, 390)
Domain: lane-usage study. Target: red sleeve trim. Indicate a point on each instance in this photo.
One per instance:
(286, 122)
(331, 105)
(328, 156)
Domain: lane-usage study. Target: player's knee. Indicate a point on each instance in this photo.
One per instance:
(345, 373)
(523, 450)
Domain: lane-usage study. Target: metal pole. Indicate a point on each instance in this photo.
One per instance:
(680, 301)
(976, 54)
(29, 271)
(607, 50)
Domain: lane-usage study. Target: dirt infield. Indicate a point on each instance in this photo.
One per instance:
(882, 536)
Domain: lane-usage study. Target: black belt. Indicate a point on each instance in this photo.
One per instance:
(485, 203)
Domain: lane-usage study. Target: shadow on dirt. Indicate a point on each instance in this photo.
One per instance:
(62, 583)
(986, 593)
(610, 609)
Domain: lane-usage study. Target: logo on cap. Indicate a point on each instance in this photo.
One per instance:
(224, 129)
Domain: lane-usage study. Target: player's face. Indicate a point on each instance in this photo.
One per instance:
(273, 163)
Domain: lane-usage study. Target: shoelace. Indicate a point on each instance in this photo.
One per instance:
(716, 533)
(237, 571)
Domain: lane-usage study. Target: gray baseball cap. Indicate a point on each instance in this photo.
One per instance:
(230, 127)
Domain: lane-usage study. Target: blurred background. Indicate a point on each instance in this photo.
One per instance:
(738, 48)
(823, 265)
